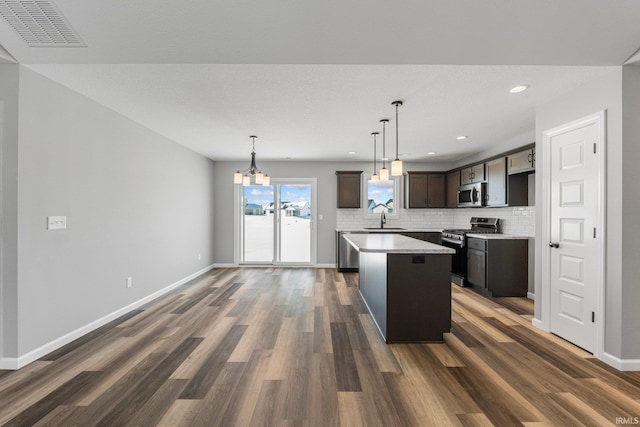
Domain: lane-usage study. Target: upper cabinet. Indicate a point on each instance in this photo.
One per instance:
(497, 182)
(453, 182)
(425, 190)
(472, 174)
(349, 189)
(522, 161)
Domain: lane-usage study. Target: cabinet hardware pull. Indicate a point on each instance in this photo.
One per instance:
(554, 244)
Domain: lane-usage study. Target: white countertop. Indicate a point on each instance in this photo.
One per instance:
(496, 236)
(389, 230)
(394, 243)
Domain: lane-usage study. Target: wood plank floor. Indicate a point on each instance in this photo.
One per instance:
(275, 346)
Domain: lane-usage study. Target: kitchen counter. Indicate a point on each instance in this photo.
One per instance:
(389, 230)
(497, 236)
(406, 285)
(394, 243)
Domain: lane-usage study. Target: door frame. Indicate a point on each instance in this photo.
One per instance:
(598, 119)
(237, 203)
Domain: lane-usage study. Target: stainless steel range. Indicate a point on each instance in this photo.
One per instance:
(457, 239)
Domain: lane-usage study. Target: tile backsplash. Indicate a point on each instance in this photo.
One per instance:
(513, 220)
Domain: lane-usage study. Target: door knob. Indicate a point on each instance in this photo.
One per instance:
(554, 244)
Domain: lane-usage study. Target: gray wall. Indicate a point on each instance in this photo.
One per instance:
(630, 211)
(9, 78)
(623, 153)
(136, 203)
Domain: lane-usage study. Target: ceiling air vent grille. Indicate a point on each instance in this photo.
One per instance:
(39, 23)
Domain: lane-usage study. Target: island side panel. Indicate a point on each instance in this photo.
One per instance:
(418, 297)
(373, 286)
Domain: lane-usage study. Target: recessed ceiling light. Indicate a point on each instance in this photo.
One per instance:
(518, 89)
(431, 153)
(461, 137)
(352, 152)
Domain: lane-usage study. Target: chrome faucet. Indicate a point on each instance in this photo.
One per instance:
(383, 219)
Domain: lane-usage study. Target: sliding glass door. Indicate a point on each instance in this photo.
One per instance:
(277, 223)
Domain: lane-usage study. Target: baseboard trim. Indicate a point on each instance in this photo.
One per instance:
(9, 364)
(21, 361)
(621, 364)
(538, 324)
(231, 265)
(531, 295)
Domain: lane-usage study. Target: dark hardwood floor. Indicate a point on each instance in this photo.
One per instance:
(276, 346)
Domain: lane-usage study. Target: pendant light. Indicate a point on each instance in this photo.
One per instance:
(244, 177)
(384, 172)
(375, 176)
(396, 165)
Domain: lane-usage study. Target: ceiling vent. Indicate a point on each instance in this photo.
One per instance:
(39, 23)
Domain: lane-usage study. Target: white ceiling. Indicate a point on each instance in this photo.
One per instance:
(321, 75)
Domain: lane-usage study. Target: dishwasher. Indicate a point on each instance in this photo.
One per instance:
(348, 257)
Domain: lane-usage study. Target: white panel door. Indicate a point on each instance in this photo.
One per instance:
(574, 256)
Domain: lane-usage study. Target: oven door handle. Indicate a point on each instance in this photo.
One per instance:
(454, 242)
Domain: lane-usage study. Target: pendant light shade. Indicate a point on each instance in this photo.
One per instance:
(244, 177)
(375, 176)
(384, 172)
(396, 165)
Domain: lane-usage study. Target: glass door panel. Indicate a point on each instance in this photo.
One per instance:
(257, 224)
(294, 219)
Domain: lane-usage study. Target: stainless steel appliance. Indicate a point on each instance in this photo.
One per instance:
(472, 195)
(457, 239)
(348, 257)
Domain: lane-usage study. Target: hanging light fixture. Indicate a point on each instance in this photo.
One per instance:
(375, 176)
(384, 172)
(396, 165)
(244, 177)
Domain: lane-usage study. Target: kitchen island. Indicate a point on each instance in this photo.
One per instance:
(406, 285)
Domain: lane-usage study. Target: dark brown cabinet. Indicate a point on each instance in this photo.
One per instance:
(522, 161)
(472, 174)
(496, 182)
(453, 182)
(498, 267)
(427, 236)
(349, 189)
(425, 190)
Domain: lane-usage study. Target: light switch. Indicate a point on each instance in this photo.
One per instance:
(56, 222)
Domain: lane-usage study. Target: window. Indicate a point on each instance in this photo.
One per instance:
(381, 197)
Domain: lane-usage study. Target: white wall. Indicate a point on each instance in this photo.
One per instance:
(623, 154)
(136, 204)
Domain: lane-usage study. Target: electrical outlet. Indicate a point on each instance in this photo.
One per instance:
(199, 256)
(56, 222)
(129, 282)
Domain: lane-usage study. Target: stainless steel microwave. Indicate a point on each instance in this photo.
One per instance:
(472, 195)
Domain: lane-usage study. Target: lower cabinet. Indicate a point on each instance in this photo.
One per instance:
(427, 236)
(498, 267)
